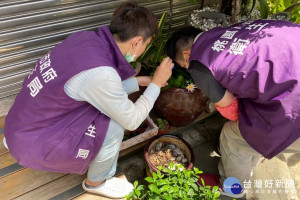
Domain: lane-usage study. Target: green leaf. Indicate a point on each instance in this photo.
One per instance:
(136, 183)
(149, 180)
(195, 186)
(194, 179)
(162, 22)
(164, 188)
(190, 192)
(174, 189)
(186, 187)
(180, 193)
(167, 197)
(178, 81)
(154, 188)
(215, 189)
(216, 194)
(160, 175)
(180, 167)
(140, 187)
(197, 171)
(129, 196)
(202, 181)
(137, 192)
(264, 9)
(154, 176)
(171, 166)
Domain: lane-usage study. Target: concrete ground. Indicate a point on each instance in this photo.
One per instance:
(275, 179)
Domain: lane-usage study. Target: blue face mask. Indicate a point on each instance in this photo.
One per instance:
(130, 58)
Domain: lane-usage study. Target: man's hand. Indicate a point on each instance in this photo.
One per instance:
(163, 72)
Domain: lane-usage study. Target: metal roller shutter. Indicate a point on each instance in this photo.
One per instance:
(29, 29)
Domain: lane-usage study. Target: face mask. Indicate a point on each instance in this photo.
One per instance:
(130, 58)
(186, 64)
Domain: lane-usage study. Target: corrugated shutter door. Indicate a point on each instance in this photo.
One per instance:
(29, 29)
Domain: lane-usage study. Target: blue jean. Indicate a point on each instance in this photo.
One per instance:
(105, 163)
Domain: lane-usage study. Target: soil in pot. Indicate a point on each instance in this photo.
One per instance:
(163, 153)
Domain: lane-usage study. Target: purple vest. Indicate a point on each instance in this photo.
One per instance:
(259, 63)
(46, 129)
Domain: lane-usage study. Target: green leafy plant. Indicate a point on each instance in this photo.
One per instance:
(173, 183)
(179, 79)
(155, 52)
(162, 123)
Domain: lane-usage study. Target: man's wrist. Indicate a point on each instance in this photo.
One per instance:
(157, 83)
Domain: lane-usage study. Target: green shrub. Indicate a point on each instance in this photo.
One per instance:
(176, 184)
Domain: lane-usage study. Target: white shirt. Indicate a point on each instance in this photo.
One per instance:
(102, 87)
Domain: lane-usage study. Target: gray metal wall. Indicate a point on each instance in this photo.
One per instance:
(29, 29)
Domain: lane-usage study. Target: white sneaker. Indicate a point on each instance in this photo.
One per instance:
(114, 188)
(4, 143)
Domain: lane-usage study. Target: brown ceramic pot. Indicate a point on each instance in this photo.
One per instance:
(179, 142)
(180, 107)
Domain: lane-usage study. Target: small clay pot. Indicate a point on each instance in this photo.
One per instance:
(179, 142)
(163, 130)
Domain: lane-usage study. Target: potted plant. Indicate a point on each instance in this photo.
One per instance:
(162, 150)
(162, 125)
(180, 103)
(173, 183)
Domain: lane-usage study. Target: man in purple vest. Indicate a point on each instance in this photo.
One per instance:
(251, 72)
(73, 108)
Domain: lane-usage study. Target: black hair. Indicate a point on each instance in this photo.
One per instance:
(181, 40)
(130, 20)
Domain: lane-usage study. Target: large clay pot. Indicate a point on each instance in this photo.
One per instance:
(180, 107)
